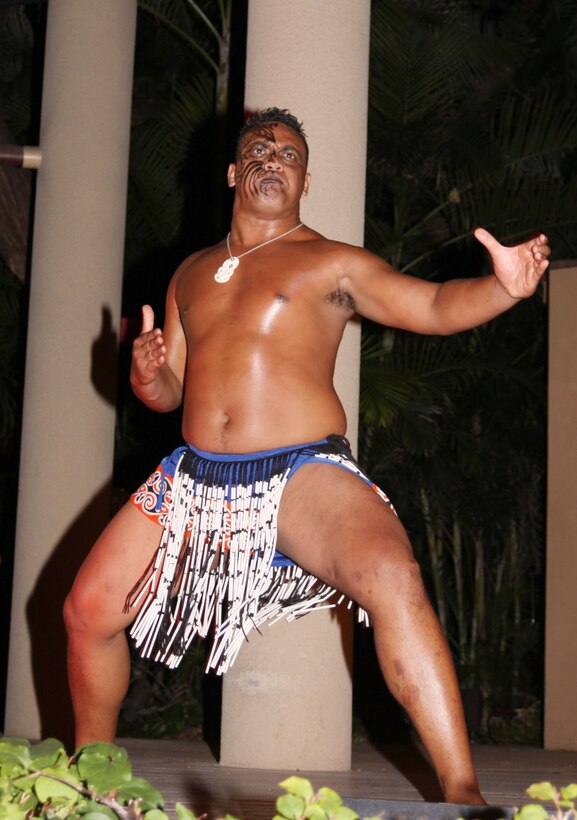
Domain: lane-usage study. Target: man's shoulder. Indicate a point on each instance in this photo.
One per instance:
(334, 246)
(344, 258)
(197, 256)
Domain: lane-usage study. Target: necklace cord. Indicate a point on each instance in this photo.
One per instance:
(262, 244)
(229, 265)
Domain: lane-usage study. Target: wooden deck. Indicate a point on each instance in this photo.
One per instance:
(187, 772)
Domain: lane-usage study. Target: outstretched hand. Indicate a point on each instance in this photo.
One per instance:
(518, 269)
(148, 350)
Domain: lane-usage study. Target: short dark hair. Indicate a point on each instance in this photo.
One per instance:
(270, 115)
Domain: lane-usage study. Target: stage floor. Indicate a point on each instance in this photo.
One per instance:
(186, 771)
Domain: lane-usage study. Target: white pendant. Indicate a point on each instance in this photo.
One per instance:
(226, 270)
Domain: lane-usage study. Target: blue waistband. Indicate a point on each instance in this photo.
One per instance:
(231, 457)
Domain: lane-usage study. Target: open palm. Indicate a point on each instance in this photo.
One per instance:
(519, 269)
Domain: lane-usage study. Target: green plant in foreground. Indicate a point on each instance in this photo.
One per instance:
(301, 801)
(96, 783)
(563, 800)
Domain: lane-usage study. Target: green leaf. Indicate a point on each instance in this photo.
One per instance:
(47, 788)
(315, 812)
(532, 811)
(344, 813)
(12, 751)
(100, 813)
(25, 782)
(329, 800)
(103, 766)
(6, 786)
(9, 811)
(290, 806)
(48, 752)
(569, 792)
(11, 769)
(183, 813)
(542, 791)
(138, 787)
(155, 814)
(15, 741)
(101, 750)
(299, 786)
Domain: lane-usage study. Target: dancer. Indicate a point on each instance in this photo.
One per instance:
(263, 512)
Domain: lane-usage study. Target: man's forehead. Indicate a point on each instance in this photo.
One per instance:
(274, 132)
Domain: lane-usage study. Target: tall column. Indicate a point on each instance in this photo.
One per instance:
(560, 719)
(287, 702)
(74, 314)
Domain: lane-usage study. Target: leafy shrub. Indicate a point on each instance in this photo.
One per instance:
(97, 783)
(563, 800)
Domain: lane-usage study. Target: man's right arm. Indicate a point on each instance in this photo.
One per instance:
(159, 358)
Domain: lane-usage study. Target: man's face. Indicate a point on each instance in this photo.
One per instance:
(271, 165)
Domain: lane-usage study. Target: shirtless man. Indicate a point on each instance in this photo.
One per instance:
(251, 358)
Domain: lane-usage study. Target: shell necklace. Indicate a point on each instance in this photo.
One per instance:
(229, 265)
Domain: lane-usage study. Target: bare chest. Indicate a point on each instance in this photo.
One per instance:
(262, 297)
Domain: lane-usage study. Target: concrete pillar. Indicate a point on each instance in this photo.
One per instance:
(560, 719)
(74, 315)
(287, 702)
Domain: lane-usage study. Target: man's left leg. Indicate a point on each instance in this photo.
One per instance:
(335, 526)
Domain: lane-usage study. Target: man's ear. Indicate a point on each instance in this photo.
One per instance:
(231, 175)
(307, 184)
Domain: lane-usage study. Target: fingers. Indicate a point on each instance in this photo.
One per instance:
(148, 349)
(540, 248)
(540, 251)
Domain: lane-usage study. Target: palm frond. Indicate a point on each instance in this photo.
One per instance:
(534, 133)
(177, 18)
(516, 208)
(159, 152)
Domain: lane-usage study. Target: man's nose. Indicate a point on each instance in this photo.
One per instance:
(272, 161)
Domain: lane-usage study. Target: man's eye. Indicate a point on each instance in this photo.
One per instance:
(288, 155)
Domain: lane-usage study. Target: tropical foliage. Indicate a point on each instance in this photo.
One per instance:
(469, 125)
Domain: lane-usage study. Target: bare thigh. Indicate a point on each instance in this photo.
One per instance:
(111, 569)
(335, 526)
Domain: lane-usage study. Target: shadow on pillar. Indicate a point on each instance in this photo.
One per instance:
(212, 711)
(104, 359)
(44, 608)
(44, 614)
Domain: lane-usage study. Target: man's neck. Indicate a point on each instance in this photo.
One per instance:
(251, 229)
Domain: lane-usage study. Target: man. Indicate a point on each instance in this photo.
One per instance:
(251, 333)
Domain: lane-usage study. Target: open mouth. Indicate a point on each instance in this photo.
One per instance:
(270, 186)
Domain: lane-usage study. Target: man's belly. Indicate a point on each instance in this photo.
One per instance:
(250, 423)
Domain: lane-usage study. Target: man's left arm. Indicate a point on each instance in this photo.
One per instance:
(394, 299)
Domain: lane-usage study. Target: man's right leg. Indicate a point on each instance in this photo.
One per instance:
(98, 657)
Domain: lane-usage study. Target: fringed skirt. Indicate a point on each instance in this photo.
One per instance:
(217, 569)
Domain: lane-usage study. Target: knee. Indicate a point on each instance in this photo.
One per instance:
(81, 611)
(390, 580)
(73, 612)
